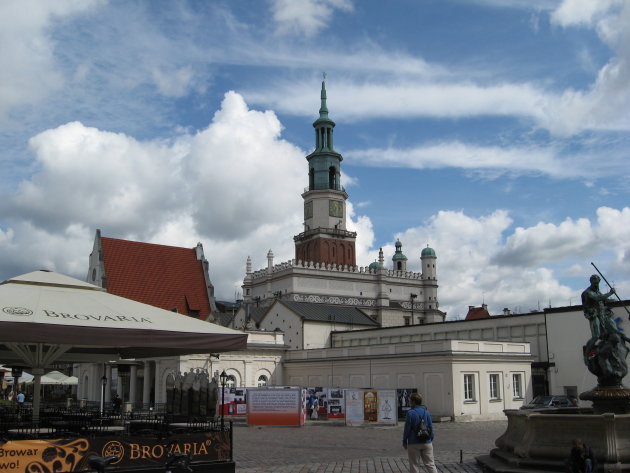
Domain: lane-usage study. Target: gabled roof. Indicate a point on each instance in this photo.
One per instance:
(257, 313)
(329, 313)
(163, 276)
(475, 313)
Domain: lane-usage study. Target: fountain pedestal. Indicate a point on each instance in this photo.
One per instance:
(540, 440)
(614, 399)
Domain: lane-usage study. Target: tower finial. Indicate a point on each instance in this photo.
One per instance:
(323, 110)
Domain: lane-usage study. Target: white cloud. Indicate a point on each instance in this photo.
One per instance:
(521, 4)
(585, 12)
(305, 17)
(359, 100)
(469, 156)
(174, 83)
(605, 104)
(548, 242)
(563, 113)
(545, 242)
(28, 72)
(226, 187)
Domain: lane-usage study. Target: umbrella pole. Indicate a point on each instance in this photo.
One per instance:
(37, 384)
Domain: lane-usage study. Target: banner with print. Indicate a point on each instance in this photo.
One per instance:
(72, 455)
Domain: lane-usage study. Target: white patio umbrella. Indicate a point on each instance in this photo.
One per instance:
(71, 381)
(57, 376)
(46, 317)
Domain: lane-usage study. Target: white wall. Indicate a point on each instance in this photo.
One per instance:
(568, 332)
(528, 328)
(280, 317)
(435, 368)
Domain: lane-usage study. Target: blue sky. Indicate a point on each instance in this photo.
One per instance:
(495, 131)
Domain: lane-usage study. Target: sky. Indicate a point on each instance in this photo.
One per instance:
(495, 131)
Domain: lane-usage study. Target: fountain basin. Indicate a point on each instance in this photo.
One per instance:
(541, 440)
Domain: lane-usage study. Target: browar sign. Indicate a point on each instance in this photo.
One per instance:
(71, 455)
(22, 311)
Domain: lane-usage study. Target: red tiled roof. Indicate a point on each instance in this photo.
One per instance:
(163, 276)
(477, 313)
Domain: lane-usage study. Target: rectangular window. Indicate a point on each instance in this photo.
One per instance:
(517, 385)
(469, 387)
(407, 321)
(494, 386)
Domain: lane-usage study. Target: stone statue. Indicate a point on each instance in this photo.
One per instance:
(593, 303)
(606, 351)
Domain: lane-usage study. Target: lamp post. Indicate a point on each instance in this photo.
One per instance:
(412, 298)
(103, 385)
(224, 378)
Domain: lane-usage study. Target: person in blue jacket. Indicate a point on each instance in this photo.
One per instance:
(417, 450)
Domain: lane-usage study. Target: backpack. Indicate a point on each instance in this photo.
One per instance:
(423, 432)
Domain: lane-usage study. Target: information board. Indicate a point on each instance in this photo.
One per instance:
(275, 406)
(370, 407)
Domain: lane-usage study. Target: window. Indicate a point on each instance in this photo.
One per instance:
(230, 382)
(262, 381)
(495, 392)
(469, 387)
(407, 320)
(517, 385)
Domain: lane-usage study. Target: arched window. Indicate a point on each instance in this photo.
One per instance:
(399, 265)
(231, 381)
(311, 179)
(262, 381)
(332, 178)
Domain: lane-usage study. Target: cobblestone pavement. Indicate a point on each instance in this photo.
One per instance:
(331, 447)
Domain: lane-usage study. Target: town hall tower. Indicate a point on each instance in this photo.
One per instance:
(325, 238)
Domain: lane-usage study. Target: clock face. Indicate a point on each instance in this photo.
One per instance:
(335, 208)
(308, 210)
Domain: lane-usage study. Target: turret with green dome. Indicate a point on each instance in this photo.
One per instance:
(428, 252)
(399, 259)
(428, 258)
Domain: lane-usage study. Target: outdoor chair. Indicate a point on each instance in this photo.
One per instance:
(197, 424)
(100, 464)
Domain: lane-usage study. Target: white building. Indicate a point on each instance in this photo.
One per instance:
(324, 269)
(459, 379)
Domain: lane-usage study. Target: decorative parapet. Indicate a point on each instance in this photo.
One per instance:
(315, 299)
(330, 231)
(416, 305)
(338, 268)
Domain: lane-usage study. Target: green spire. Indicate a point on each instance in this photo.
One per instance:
(323, 110)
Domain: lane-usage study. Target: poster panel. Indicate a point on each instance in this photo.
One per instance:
(354, 406)
(274, 406)
(336, 404)
(235, 401)
(403, 401)
(304, 406)
(387, 407)
(227, 408)
(71, 455)
(370, 406)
